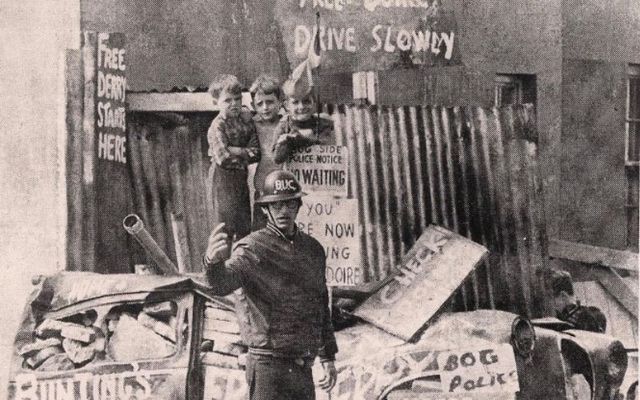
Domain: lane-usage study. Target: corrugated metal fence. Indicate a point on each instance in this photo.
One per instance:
(470, 169)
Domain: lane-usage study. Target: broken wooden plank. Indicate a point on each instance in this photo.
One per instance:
(161, 328)
(34, 361)
(588, 254)
(58, 362)
(426, 281)
(220, 360)
(219, 314)
(222, 326)
(178, 102)
(77, 351)
(618, 288)
(225, 337)
(29, 349)
(52, 327)
(82, 334)
(163, 309)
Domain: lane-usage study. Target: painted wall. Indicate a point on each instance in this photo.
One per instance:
(593, 185)
(599, 40)
(186, 42)
(32, 200)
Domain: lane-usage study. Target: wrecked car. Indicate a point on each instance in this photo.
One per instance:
(92, 336)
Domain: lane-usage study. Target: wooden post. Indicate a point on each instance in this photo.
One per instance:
(88, 151)
(73, 121)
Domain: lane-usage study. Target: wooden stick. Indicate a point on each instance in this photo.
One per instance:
(88, 152)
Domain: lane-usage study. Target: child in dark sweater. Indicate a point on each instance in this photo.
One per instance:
(233, 145)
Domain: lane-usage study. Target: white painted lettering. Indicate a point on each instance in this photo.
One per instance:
(350, 44)
(376, 37)
(102, 145)
(110, 146)
(421, 40)
(448, 43)
(388, 47)
(302, 39)
(403, 40)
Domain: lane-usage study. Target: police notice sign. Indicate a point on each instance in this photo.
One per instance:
(334, 223)
(321, 169)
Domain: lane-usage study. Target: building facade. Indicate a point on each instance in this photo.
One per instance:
(577, 61)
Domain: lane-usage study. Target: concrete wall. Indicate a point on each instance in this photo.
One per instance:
(593, 186)
(599, 40)
(173, 43)
(186, 42)
(32, 200)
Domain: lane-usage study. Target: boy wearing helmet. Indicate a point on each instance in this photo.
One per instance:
(283, 305)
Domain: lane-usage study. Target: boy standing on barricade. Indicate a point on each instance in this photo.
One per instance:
(233, 145)
(267, 100)
(301, 127)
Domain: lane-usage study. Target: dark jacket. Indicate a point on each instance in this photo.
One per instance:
(283, 304)
(584, 318)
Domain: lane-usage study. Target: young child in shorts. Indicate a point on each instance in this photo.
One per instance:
(233, 145)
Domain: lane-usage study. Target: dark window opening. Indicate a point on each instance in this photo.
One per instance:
(515, 89)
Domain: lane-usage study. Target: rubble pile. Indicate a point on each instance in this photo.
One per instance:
(134, 332)
(222, 345)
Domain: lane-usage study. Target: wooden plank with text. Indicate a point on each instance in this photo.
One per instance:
(430, 273)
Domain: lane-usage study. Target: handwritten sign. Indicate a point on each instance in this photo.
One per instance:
(334, 223)
(86, 385)
(450, 396)
(487, 369)
(430, 273)
(321, 169)
(110, 151)
(111, 89)
(371, 34)
(488, 372)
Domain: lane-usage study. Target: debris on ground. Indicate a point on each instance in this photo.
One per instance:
(41, 356)
(166, 330)
(52, 328)
(126, 332)
(78, 352)
(147, 343)
(221, 332)
(58, 362)
(31, 348)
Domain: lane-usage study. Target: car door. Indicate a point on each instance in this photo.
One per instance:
(117, 348)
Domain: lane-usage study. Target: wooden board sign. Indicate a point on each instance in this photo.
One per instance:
(334, 223)
(321, 169)
(368, 35)
(430, 273)
(107, 172)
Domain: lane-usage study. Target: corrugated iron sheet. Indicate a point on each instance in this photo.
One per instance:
(472, 170)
